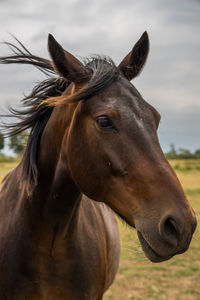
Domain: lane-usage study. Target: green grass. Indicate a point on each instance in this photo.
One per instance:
(138, 278)
(5, 158)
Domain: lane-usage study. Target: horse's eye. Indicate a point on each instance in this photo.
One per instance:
(104, 122)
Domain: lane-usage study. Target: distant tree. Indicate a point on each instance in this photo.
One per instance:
(1, 141)
(184, 153)
(172, 149)
(18, 142)
(172, 152)
(197, 153)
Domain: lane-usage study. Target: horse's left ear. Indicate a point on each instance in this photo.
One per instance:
(133, 63)
(64, 63)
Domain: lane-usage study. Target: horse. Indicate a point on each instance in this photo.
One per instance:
(92, 151)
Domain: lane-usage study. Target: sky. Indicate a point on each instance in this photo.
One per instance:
(170, 80)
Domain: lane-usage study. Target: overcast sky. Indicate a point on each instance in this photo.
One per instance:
(170, 79)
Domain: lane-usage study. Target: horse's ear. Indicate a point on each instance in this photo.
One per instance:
(133, 63)
(64, 63)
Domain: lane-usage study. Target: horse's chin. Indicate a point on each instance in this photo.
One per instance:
(150, 253)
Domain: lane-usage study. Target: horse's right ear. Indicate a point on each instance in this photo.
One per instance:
(64, 63)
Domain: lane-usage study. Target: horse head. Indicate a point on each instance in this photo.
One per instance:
(113, 151)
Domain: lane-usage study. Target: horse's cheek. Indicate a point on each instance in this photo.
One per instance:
(88, 173)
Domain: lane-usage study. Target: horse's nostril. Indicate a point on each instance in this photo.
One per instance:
(170, 227)
(169, 230)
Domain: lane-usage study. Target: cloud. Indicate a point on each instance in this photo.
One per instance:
(170, 80)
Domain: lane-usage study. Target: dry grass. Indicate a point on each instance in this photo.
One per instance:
(5, 167)
(138, 278)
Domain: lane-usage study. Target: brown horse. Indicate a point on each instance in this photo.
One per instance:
(91, 132)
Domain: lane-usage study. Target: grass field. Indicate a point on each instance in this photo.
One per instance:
(138, 278)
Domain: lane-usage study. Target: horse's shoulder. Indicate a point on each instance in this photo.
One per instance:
(101, 217)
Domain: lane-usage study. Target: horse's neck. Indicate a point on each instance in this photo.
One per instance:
(37, 226)
(63, 200)
(56, 188)
(52, 140)
(56, 196)
(55, 199)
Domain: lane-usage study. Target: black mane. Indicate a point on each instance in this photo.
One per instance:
(36, 112)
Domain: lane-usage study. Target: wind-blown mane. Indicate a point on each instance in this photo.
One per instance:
(39, 104)
(34, 115)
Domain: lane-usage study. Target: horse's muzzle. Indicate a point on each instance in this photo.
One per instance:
(169, 238)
